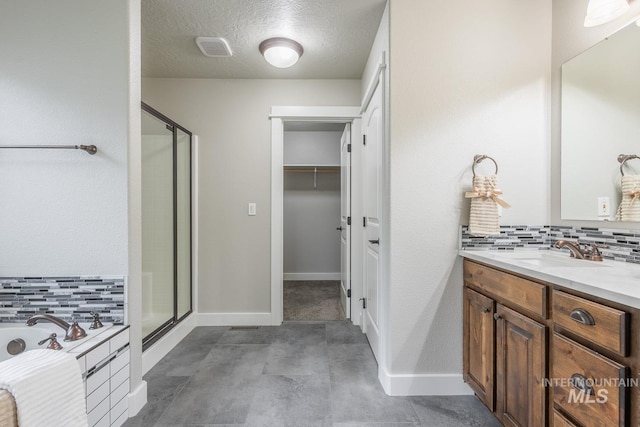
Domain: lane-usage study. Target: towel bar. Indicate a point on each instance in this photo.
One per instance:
(479, 158)
(91, 149)
(622, 158)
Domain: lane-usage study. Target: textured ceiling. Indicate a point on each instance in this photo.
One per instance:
(336, 35)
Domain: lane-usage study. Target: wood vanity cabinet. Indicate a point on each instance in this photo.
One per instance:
(504, 353)
(479, 333)
(539, 355)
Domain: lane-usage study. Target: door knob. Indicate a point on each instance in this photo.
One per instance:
(339, 228)
(375, 242)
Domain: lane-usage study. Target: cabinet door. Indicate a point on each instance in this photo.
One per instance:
(478, 345)
(520, 369)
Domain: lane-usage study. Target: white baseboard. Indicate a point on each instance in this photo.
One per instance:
(137, 399)
(311, 276)
(424, 384)
(164, 345)
(234, 319)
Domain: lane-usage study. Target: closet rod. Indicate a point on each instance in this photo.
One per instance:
(91, 149)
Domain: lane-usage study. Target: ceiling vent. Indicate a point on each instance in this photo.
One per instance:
(216, 47)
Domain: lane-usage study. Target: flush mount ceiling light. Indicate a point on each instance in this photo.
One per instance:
(603, 11)
(281, 52)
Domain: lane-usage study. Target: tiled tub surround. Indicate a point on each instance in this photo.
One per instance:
(65, 297)
(104, 362)
(619, 245)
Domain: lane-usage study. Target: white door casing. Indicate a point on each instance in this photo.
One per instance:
(345, 220)
(279, 115)
(373, 137)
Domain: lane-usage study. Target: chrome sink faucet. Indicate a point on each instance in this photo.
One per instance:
(589, 252)
(72, 331)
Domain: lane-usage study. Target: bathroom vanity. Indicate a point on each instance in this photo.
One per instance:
(549, 340)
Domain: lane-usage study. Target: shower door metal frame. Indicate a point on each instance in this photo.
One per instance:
(159, 332)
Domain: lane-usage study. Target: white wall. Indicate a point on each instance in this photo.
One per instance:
(466, 78)
(311, 147)
(570, 38)
(64, 79)
(311, 214)
(231, 118)
(70, 74)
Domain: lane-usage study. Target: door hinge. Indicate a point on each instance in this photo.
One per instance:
(348, 148)
(364, 302)
(348, 293)
(364, 139)
(364, 221)
(348, 220)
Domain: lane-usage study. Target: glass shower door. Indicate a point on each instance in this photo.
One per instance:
(166, 224)
(157, 224)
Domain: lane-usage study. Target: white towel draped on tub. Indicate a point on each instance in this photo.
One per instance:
(629, 209)
(483, 216)
(47, 387)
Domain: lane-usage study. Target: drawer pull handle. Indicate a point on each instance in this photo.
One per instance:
(581, 315)
(580, 382)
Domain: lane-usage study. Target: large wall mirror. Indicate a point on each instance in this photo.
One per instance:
(600, 121)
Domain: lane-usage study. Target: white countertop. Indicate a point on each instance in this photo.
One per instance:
(612, 280)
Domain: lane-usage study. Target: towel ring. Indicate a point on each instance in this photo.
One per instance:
(480, 157)
(622, 158)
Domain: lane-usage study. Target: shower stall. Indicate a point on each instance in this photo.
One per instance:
(166, 224)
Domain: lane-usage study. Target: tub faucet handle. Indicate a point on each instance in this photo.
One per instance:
(96, 324)
(53, 342)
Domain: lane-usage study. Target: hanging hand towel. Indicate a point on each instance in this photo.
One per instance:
(47, 387)
(483, 217)
(629, 209)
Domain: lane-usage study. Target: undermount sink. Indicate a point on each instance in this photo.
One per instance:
(549, 259)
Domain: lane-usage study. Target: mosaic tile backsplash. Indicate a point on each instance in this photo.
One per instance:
(65, 297)
(619, 245)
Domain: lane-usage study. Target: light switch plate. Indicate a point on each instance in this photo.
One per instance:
(252, 209)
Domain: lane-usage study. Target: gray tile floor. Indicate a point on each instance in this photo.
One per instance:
(302, 374)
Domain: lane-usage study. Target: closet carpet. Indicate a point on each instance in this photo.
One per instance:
(312, 300)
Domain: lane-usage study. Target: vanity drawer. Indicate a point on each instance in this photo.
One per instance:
(560, 421)
(598, 323)
(605, 396)
(511, 290)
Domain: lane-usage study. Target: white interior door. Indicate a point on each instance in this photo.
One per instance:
(345, 220)
(373, 137)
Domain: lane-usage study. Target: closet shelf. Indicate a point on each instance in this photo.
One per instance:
(312, 168)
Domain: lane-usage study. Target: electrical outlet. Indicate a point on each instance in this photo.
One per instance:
(603, 207)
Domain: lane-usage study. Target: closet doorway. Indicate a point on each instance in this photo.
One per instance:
(316, 232)
(166, 224)
(282, 116)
